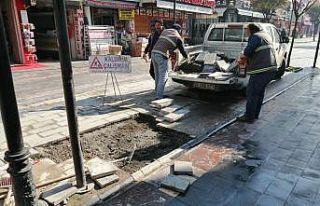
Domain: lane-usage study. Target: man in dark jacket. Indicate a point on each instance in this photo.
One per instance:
(261, 67)
(169, 41)
(156, 29)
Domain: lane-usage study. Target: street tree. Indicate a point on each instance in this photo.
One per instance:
(299, 7)
(268, 8)
(314, 14)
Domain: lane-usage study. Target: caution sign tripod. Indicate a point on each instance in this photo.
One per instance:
(115, 86)
(110, 65)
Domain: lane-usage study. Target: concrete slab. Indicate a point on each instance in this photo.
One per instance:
(100, 168)
(173, 117)
(175, 183)
(161, 103)
(182, 168)
(45, 170)
(108, 180)
(59, 193)
(67, 167)
(171, 109)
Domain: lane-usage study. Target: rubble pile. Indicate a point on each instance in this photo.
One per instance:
(209, 66)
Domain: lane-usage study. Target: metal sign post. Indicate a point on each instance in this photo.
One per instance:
(67, 78)
(317, 51)
(17, 155)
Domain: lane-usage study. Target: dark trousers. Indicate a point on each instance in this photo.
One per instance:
(255, 92)
(151, 71)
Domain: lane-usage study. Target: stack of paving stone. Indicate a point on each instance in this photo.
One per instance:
(102, 172)
(181, 178)
(168, 112)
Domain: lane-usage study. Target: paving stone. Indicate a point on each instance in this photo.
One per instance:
(176, 202)
(142, 194)
(59, 193)
(298, 201)
(301, 155)
(280, 154)
(267, 200)
(314, 164)
(244, 197)
(288, 177)
(311, 174)
(280, 189)
(306, 188)
(287, 169)
(260, 181)
(107, 180)
(176, 116)
(297, 163)
(99, 168)
(175, 183)
(172, 108)
(162, 103)
(183, 168)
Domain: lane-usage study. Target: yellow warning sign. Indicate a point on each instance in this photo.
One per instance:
(126, 15)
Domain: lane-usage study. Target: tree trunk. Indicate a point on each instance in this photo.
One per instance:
(292, 41)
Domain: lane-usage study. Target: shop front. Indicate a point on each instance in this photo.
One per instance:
(118, 14)
(186, 12)
(19, 32)
(42, 17)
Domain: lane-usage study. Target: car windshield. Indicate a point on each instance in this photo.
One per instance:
(233, 34)
(216, 34)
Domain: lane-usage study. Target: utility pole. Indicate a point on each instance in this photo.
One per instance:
(17, 155)
(174, 10)
(67, 78)
(317, 51)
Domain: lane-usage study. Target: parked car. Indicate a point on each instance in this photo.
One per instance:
(227, 41)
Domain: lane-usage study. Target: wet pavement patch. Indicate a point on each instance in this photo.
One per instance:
(137, 139)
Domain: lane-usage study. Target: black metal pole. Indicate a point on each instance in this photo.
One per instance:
(317, 51)
(174, 11)
(290, 22)
(67, 78)
(17, 155)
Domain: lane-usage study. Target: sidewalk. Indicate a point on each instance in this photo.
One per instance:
(283, 147)
(303, 40)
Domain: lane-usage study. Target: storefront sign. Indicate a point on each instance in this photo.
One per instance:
(110, 63)
(126, 15)
(184, 7)
(111, 4)
(202, 3)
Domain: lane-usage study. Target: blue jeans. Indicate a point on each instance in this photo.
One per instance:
(255, 93)
(160, 65)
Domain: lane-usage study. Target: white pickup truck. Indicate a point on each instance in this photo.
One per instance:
(227, 40)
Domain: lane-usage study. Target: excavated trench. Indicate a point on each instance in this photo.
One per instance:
(138, 139)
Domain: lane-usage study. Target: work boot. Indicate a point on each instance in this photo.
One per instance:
(245, 119)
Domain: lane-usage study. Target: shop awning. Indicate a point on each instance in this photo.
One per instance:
(250, 13)
(111, 4)
(184, 7)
